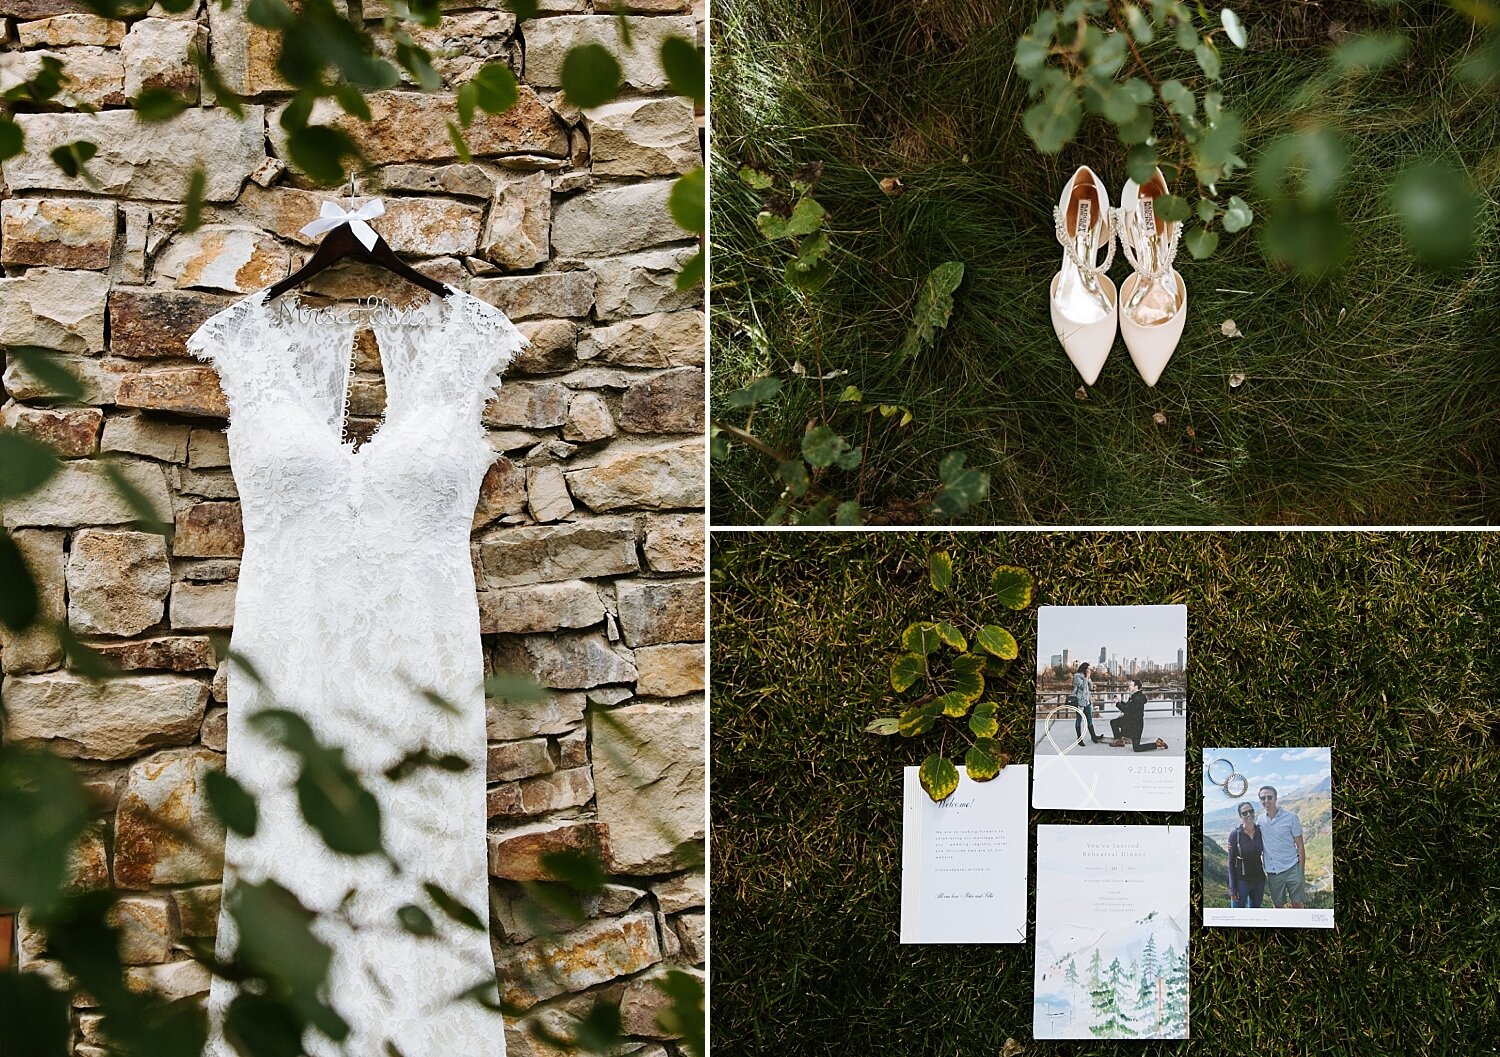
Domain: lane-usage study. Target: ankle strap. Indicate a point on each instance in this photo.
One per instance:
(1085, 223)
(1140, 223)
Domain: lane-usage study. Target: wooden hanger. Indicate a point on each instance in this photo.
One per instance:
(341, 242)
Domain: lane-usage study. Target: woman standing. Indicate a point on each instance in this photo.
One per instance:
(1247, 872)
(1083, 697)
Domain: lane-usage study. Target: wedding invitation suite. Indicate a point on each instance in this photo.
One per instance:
(1110, 723)
(964, 861)
(1112, 909)
(1268, 838)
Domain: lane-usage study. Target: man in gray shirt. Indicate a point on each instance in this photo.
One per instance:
(1286, 856)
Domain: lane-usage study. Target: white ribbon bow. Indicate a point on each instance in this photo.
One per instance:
(331, 215)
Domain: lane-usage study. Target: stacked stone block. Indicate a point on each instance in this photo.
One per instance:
(588, 541)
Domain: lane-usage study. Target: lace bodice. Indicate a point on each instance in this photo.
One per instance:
(355, 602)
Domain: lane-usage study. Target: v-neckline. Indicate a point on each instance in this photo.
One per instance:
(348, 330)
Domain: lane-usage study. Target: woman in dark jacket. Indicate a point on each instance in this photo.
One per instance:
(1247, 872)
(1131, 722)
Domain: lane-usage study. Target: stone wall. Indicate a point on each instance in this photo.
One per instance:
(589, 538)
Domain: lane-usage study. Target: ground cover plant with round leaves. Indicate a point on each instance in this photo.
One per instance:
(947, 668)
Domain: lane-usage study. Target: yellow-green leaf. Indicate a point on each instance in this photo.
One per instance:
(984, 759)
(968, 676)
(918, 719)
(951, 636)
(884, 725)
(953, 704)
(906, 670)
(921, 637)
(940, 568)
(997, 642)
(939, 777)
(982, 721)
(1012, 586)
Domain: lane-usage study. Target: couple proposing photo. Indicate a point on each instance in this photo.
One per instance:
(1274, 809)
(1127, 727)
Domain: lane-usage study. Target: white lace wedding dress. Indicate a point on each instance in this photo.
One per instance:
(355, 602)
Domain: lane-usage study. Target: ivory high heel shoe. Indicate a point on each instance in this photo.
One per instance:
(1084, 301)
(1153, 300)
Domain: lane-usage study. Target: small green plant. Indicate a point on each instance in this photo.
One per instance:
(814, 492)
(947, 668)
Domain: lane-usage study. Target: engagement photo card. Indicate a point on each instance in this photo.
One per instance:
(1268, 838)
(1112, 911)
(964, 860)
(1111, 708)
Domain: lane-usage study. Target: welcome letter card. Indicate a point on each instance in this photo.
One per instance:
(1268, 838)
(1111, 932)
(1111, 708)
(964, 861)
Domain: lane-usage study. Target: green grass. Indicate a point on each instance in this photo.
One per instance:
(1369, 396)
(1381, 646)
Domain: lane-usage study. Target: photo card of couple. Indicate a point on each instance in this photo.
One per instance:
(964, 860)
(1110, 723)
(1268, 838)
(1112, 914)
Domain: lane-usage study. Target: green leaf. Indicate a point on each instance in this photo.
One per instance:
(906, 670)
(685, 1016)
(453, 907)
(590, 75)
(952, 704)
(997, 642)
(465, 100)
(1206, 210)
(1031, 56)
(1237, 215)
(460, 145)
(918, 719)
(934, 306)
(1439, 211)
(43, 813)
(1369, 51)
(1208, 60)
(1201, 242)
(1234, 29)
(41, 364)
(352, 101)
(822, 447)
(524, 10)
(270, 14)
(940, 570)
(1185, 35)
(33, 1017)
(158, 104)
(757, 392)
(319, 151)
(938, 776)
(1140, 26)
(951, 636)
(1172, 207)
(1178, 99)
(147, 516)
(515, 688)
(72, 157)
(982, 721)
(850, 395)
(961, 488)
(757, 177)
(683, 65)
(231, 803)
(1140, 163)
(794, 473)
(1012, 586)
(12, 139)
(415, 920)
(579, 871)
(1054, 121)
(687, 201)
(808, 271)
(848, 513)
(192, 210)
(883, 725)
(692, 272)
(984, 759)
(968, 677)
(495, 88)
(83, 659)
(25, 464)
(18, 598)
(807, 216)
(921, 637)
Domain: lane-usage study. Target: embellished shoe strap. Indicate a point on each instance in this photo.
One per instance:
(1084, 264)
(1138, 230)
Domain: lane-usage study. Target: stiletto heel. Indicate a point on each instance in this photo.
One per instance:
(1153, 299)
(1083, 299)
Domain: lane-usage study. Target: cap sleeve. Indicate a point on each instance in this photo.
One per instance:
(488, 342)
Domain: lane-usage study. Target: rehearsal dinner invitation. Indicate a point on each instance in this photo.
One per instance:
(1112, 909)
(964, 861)
(1268, 838)
(1110, 722)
